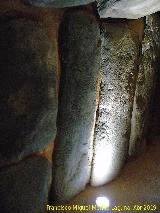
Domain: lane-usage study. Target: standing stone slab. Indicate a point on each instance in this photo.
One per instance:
(28, 99)
(24, 186)
(119, 70)
(146, 83)
(58, 3)
(80, 55)
(131, 9)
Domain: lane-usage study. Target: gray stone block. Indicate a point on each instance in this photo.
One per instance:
(58, 3)
(145, 85)
(119, 56)
(24, 186)
(80, 56)
(131, 9)
(28, 99)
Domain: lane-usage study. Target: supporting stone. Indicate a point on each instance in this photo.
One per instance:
(119, 58)
(80, 56)
(24, 186)
(28, 88)
(131, 9)
(145, 88)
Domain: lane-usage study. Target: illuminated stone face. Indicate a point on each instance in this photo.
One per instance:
(118, 62)
(127, 8)
(80, 37)
(109, 8)
(95, 102)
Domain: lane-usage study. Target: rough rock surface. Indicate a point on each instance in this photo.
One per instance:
(153, 24)
(138, 183)
(80, 55)
(120, 48)
(28, 99)
(145, 82)
(24, 186)
(58, 3)
(131, 9)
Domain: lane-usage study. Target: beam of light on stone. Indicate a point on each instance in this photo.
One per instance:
(102, 165)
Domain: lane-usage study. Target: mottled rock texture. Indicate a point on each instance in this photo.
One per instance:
(58, 3)
(80, 55)
(27, 88)
(127, 8)
(153, 25)
(145, 82)
(24, 186)
(119, 57)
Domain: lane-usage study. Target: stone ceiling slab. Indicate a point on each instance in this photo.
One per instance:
(127, 8)
(58, 3)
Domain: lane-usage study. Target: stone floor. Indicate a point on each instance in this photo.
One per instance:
(138, 184)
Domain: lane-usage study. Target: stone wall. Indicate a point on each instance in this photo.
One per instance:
(29, 103)
(75, 98)
(119, 68)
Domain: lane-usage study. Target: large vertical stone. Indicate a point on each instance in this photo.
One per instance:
(119, 58)
(127, 8)
(145, 82)
(24, 186)
(80, 55)
(28, 99)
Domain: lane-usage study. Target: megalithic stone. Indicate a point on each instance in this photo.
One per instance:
(24, 186)
(80, 56)
(58, 3)
(28, 88)
(119, 56)
(145, 82)
(127, 8)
